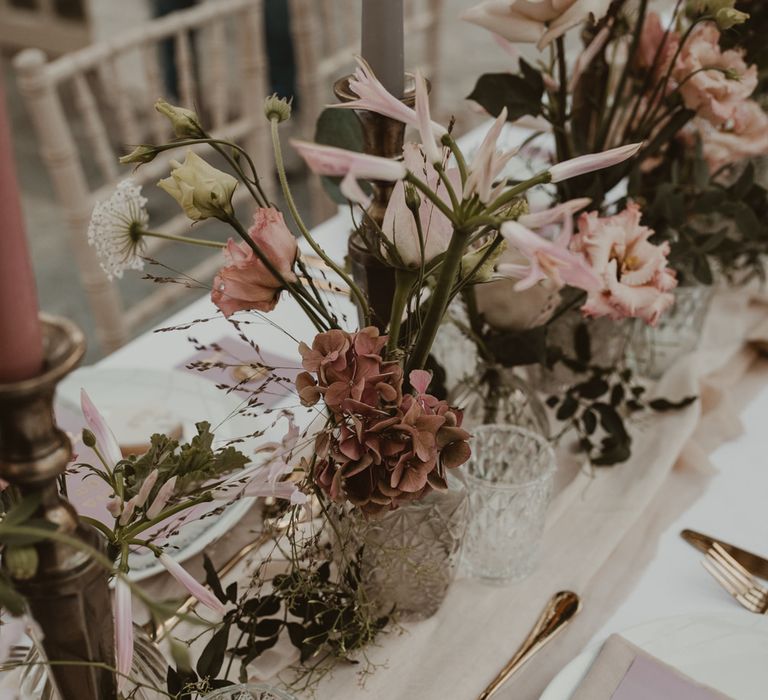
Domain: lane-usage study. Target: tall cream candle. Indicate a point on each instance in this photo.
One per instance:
(383, 42)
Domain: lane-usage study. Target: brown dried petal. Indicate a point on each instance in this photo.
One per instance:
(455, 454)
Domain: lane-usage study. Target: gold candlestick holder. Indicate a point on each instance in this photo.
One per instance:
(69, 594)
(383, 137)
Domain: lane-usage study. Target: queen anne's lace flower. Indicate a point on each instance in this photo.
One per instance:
(116, 229)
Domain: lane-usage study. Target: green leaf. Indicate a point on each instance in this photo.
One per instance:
(582, 343)
(567, 408)
(212, 657)
(593, 388)
(494, 91)
(340, 128)
(212, 579)
(664, 405)
(22, 510)
(11, 600)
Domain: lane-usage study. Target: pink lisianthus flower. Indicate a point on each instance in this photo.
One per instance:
(636, 281)
(713, 82)
(245, 283)
(744, 136)
(534, 21)
(657, 46)
(182, 576)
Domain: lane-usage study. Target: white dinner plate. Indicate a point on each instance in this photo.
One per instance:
(187, 399)
(725, 651)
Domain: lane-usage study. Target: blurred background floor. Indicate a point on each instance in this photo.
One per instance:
(467, 51)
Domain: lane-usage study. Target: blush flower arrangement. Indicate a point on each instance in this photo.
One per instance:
(378, 440)
(682, 85)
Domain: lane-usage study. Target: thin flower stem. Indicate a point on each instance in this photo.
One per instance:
(449, 188)
(184, 239)
(541, 178)
(302, 297)
(354, 289)
(431, 196)
(605, 127)
(461, 163)
(562, 102)
(439, 300)
(403, 285)
(131, 532)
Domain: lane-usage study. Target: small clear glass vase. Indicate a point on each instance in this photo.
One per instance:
(609, 342)
(656, 349)
(147, 680)
(496, 394)
(510, 479)
(411, 554)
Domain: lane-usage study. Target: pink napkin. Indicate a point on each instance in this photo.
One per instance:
(623, 672)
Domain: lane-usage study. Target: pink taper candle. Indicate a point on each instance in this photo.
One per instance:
(21, 339)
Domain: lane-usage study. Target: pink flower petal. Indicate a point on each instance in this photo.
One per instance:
(165, 492)
(123, 631)
(105, 438)
(194, 587)
(420, 380)
(581, 165)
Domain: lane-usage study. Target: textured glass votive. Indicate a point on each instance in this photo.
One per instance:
(678, 332)
(510, 479)
(251, 691)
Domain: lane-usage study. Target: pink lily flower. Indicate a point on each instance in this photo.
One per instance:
(123, 631)
(547, 260)
(559, 214)
(352, 166)
(433, 152)
(488, 164)
(374, 97)
(581, 165)
(193, 587)
(163, 495)
(588, 55)
(105, 438)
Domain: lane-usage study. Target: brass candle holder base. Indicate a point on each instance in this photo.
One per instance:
(383, 137)
(69, 595)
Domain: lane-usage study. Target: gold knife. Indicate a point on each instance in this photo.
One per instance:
(755, 564)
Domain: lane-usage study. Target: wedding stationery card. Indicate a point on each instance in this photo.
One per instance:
(647, 678)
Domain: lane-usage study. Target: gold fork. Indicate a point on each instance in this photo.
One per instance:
(735, 579)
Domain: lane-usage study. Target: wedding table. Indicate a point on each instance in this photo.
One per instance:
(612, 534)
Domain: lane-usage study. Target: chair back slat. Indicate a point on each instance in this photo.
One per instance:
(120, 104)
(95, 103)
(157, 123)
(216, 52)
(185, 69)
(94, 128)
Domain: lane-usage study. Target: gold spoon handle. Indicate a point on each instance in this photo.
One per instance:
(560, 610)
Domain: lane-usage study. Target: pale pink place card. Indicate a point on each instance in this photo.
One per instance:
(648, 678)
(622, 671)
